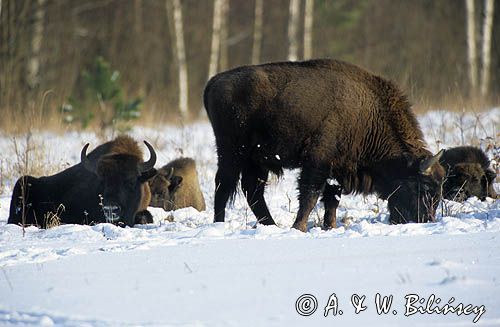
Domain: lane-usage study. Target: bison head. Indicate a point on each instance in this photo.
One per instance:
(415, 197)
(163, 186)
(465, 180)
(120, 176)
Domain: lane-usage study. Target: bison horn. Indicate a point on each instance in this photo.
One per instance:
(87, 164)
(169, 173)
(429, 162)
(148, 165)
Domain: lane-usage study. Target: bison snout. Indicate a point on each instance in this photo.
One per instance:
(111, 212)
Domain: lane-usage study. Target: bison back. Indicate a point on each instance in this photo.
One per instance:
(283, 114)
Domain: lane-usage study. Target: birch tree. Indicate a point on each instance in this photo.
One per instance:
(471, 45)
(180, 54)
(36, 44)
(293, 26)
(486, 46)
(139, 33)
(224, 33)
(308, 28)
(257, 31)
(215, 47)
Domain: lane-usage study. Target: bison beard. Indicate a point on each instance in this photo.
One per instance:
(329, 118)
(109, 185)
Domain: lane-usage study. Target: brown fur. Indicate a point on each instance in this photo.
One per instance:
(467, 174)
(145, 197)
(126, 144)
(177, 186)
(332, 120)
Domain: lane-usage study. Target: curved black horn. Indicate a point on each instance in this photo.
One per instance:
(429, 162)
(87, 164)
(148, 165)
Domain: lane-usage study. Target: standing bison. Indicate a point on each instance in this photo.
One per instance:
(467, 174)
(108, 185)
(176, 186)
(347, 130)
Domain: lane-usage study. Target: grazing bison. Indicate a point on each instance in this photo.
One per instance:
(108, 185)
(467, 174)
(176, 186)
(347, 130)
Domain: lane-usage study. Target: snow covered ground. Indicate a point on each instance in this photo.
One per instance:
(192, 272)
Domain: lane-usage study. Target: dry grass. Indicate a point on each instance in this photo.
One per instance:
(52, 219)
(28, 153)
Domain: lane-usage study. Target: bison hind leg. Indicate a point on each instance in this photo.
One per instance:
(253, 183)
(226, 182)
(331, 199)
(143, 217)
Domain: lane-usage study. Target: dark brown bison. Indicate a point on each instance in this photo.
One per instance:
(347, 130)
(176, 186)
(467, 174)
(108, 185)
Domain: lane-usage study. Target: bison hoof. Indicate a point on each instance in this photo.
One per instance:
(266, 221)
(301, 227)
(328, 227)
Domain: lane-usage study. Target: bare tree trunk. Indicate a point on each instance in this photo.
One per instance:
(0, 8)
(308, 29)
(471, 45)
(293, 26)
(139, 31)
(180, 53)
(214, 49)
(257, 31)
(486, 47)
(36, 44)
(224, 61)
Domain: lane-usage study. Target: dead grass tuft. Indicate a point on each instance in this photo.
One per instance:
(52, 219)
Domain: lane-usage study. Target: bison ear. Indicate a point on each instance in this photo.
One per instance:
(426, 164)
(490, 175)
(175, 182)
(147, 175)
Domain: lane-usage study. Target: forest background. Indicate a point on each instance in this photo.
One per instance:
(160, 53)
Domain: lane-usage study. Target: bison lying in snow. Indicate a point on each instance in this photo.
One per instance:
(176, 186)
(347, 130)
(467, 174)
(108, 185)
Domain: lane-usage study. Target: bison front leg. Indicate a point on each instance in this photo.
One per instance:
(253, 183)
(331, 199)
(311, 183)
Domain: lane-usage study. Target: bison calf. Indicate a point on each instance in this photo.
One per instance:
(467, 174)
(108, 185)
(176, 186)
(347, 129)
